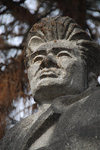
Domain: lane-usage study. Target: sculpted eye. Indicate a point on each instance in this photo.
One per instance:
(38, 58)
(63, 53)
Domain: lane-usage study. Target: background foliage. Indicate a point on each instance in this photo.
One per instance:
(16, 18)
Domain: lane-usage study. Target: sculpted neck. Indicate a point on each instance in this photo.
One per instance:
(71, 98)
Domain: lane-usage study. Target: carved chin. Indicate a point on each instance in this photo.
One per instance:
(47, 93)
(48, 89)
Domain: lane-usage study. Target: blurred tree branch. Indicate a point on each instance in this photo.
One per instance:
(19, 12)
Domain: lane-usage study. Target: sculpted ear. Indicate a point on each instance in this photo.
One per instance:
(34, 42)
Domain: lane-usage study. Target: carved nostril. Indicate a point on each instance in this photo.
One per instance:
(48, 61)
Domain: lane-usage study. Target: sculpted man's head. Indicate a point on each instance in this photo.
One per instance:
(60, 58)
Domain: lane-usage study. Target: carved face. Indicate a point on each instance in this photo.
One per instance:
(55, 69)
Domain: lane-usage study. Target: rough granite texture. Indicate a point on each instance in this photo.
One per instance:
(77, 128)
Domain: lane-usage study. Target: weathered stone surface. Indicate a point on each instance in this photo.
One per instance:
(62, 70)
(77, 125)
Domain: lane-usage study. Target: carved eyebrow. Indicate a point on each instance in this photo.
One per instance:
(58, 49)
(54, 50)
(38, 52)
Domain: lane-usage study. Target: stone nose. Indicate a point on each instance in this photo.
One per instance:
(49, 61)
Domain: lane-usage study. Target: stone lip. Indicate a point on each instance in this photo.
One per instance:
(48, 74)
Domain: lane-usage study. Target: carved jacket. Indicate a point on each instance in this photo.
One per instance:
(77, 119)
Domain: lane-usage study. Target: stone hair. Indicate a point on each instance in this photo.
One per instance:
(66, 28)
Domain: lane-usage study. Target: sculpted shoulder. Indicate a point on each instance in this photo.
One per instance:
(84, 107)
(79, 125)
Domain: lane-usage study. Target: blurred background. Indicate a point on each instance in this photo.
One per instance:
(16, 18)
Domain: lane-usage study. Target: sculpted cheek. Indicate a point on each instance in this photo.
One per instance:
(29, 74)
(66, 62)
(32, 71)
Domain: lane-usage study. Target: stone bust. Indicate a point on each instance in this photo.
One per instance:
(62, 64)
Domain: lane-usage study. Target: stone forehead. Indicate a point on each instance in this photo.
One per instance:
(54, 43)
(71, 47)
(59, 43)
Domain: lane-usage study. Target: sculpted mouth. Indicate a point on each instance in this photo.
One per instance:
(48, 74)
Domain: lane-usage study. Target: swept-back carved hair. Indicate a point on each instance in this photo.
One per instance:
(66, 28)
